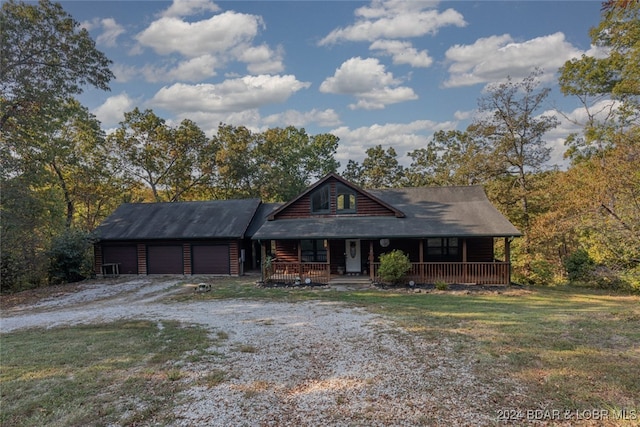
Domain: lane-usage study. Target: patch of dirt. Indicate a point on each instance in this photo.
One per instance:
(32, 296)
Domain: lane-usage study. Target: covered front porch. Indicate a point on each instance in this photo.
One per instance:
(433, 260)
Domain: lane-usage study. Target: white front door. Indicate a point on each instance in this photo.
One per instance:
(352, 250)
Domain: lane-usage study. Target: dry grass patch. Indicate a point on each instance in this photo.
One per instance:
(563, 348)
(118, 373)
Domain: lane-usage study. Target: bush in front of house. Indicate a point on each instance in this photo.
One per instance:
(394, 266)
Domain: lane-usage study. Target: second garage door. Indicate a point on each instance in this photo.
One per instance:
(210, 259)
(165, 260)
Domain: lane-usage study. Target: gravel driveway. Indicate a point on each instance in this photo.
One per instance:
(312, 363)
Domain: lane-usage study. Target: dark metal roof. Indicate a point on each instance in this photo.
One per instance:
(261, 215)
(218, 219)
(430, 212)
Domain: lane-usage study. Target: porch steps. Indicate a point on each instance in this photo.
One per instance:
(352, 282)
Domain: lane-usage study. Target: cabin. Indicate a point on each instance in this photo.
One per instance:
(332, 229)
(336, 228)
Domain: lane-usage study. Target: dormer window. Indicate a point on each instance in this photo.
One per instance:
(320, 200)
(345, 200)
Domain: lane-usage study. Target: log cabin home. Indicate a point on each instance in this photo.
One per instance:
(333, 229)
(336, 228)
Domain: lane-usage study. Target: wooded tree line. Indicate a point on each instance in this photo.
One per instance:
(61, 174)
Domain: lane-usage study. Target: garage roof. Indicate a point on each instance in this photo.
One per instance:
(217, 219)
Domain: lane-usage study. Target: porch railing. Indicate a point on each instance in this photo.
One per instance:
(292, 272)
(481, 273)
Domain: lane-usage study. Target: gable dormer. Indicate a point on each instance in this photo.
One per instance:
(333, 196)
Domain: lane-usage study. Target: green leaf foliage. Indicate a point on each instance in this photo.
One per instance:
(394, 266)
(70, 257)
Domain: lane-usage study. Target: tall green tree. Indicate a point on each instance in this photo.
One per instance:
(602, 188)
(237, 167)
(380, 169)
(289, 160)
(170, 161)
(450, 158)
(45, 56)
(45, 59)
(510, 123)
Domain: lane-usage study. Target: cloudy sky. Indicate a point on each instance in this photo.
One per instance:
(379, 72)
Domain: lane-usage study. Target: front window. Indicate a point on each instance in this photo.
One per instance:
(320, 200)
(345, 200)
(440, 248)
(313, 250)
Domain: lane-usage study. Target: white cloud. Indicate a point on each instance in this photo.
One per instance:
(189, 7)
(403, 137)
(111, 112)
(207, 44)
(125, 73)
(369, 82)
(230, 96)
(218, 34)
(324, 118)
(261, 59)
(403, 53)
(492, 59)
(110, 30)
(393, 20)
(463, 115)
(191, 70)
(378, 98)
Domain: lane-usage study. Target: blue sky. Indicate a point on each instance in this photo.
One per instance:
(381, 72)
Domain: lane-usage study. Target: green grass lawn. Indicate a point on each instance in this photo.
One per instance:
(118, 373)
(566, 348)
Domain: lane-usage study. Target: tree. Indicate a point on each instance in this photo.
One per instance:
(289, 160)
(450, 158)
(45, 56)
(512, 127)
(45, 134)
(380, 169)
(274, 165)
(171, 161)
(237, 168)
(602, 188)
(353, 172)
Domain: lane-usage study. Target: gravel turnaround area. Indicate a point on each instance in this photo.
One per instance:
(289, 364)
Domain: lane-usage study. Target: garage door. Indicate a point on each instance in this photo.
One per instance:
(125, 256)
(210, 259)
(164, 260)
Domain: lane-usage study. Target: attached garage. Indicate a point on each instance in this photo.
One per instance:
(123, 255)
(176, 238)
(165, 259)
(210, 259)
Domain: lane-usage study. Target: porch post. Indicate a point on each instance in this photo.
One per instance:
(371, 274)
(328, 259)
(263, 258)
(507, 258)
(299, 259)
(465, 267)
(423, 275)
